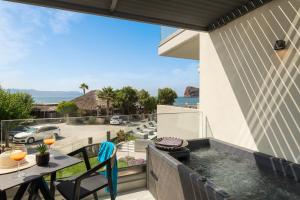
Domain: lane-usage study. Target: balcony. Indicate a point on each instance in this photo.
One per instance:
(167, 33)
(131, 135)
(147, 173)
(179, 43)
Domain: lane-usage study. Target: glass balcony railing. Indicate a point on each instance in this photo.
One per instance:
(166, 31)
(131, 134)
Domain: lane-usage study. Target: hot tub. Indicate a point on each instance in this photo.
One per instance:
(217, 170)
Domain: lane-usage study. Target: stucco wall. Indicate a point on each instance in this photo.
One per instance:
(218, 101)
(249, 92)
(179, 122)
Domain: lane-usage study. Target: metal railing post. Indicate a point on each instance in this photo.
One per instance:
(108, 136)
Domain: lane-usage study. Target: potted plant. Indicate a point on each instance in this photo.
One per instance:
(42, 157)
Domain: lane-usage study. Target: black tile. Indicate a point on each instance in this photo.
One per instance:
(181, 155)
(186, 184)
(296, 170)
(201, 185)
(197, 144)
(210, 190)
(277, 163)
(288, 169)
(221, 195)
(263, 161)
(196, 190)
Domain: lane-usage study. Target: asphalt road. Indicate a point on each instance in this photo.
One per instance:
(76, 136)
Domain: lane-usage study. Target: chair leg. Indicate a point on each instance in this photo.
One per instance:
(3, 195)
(110, 186)
(95, 196)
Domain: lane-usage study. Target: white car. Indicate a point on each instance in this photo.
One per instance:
(115, 120)
(36, 133)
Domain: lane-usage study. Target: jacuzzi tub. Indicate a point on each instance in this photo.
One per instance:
(217, 170)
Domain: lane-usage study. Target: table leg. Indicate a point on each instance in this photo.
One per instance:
(3, 195)
(42, 185)
(52, 186)
(21, 191)
(33, 190)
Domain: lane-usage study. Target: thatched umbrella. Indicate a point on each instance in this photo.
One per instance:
(90, 102)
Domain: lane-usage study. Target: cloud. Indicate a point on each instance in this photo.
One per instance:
(60, 21)
(22, 27)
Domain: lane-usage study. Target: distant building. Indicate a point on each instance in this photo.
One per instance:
(45, 110)
(88, 104)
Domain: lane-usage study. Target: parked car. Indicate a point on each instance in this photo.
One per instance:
(16, 130)
(115, 120)
(36, 133)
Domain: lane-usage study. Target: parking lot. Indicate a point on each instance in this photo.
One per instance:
(72, 137)
(76, 136)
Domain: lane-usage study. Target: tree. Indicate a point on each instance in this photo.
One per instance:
(146, 101)
(84, 87)
(166, 96)
(126, 99)
(67, 108)
(13, 106)
(150, 105)
(108, 94)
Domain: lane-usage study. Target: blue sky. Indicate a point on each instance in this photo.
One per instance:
(48, 49)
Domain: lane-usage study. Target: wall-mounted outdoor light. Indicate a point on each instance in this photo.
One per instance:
(279, 45)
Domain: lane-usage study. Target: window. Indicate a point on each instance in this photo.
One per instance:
(50, 128)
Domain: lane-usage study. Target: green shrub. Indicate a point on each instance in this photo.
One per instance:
(92, 120)
(122, 137)
(166, 96)
(67, 108)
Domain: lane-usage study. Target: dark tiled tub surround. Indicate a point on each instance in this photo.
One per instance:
(170, 179)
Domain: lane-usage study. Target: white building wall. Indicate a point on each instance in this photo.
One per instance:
(250, 92)
(179, 122)
(217, 100)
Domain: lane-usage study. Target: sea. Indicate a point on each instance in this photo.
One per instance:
(49, 100)
(183, 101)
(180, 101)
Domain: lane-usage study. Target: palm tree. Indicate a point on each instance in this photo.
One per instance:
(108, 94)
(84, 87)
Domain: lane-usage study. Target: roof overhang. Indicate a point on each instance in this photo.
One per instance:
(181, 44)
(203, 15)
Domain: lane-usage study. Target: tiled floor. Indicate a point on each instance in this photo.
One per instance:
(141, 194)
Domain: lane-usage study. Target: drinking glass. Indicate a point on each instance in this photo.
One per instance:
(18, 153)
(49, 140)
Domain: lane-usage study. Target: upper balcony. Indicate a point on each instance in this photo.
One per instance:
(179, 43)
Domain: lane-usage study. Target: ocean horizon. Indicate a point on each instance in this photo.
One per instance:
(46, 100)
(180, 101)
(183, 101)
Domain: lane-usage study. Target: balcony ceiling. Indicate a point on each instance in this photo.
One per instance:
(201, 15)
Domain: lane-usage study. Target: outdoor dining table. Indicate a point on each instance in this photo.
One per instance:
(34, 177)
